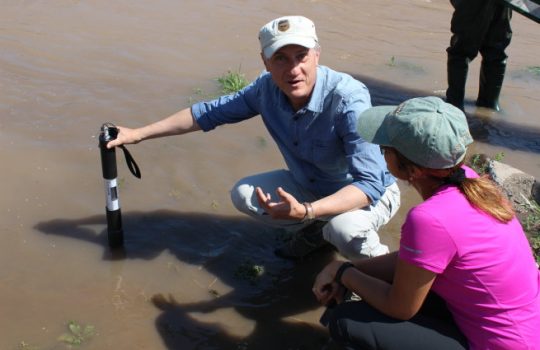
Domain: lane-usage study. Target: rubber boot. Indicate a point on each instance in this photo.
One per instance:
(491, 80)
(457, 69)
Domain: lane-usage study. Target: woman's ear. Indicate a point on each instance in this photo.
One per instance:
(415, 172)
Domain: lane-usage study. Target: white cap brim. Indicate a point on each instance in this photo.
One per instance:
(307, 42)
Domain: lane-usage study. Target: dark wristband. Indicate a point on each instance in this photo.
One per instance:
(341, 270)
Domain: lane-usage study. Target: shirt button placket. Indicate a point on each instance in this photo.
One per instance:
(295, 133)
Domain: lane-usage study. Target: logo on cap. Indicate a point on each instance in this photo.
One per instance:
(283, 25)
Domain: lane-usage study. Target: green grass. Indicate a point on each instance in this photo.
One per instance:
(407, 66)
(261, 142)
(25, 346)
(480, 162)
(530, 220)
(77, 334)
(199, 95)
(232, 81)
(534, 70)
(535, 245)
(392, 62)
(249, 271)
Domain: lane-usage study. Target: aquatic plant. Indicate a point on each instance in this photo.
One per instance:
(25, 346)
(534, 70)
(261, 142)
(406, 66)
(199, 96)
(249, 271)
(77, 334)
(232, 82)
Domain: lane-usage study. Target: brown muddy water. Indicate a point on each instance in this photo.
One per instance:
(66, 67)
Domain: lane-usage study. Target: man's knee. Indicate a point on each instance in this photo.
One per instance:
(354, 237)
(365, 247)
(241, 196)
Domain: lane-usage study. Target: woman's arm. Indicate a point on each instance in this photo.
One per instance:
(382, 267)
(401, 299)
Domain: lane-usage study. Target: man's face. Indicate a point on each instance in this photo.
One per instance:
(294, 70)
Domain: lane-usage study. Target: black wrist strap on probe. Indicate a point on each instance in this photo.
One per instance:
(132, 165)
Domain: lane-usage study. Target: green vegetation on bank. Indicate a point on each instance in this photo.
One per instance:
(531, 225)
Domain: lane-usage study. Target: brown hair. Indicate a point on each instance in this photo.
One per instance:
(481, 192)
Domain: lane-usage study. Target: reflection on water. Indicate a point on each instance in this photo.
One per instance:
(66, 67)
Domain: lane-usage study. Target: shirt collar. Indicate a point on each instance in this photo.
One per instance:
(315, 103)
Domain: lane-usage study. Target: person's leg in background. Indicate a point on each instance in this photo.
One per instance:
(494, 58)
(470, 23)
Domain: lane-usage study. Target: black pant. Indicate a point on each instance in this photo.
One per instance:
(480, 26)
(356, 325)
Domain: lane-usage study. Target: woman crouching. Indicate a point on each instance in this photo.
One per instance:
(464, 276)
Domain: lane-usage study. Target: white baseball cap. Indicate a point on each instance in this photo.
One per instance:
(287, 30)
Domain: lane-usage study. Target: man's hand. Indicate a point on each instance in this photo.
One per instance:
(125, 136)
(286, 208)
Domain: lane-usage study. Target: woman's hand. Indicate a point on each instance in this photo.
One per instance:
(326, 289)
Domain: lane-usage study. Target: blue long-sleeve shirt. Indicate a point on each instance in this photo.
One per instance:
(319, 142)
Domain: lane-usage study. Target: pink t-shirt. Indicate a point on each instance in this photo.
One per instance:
(485, 269)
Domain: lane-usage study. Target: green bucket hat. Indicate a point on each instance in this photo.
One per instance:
(426, 130)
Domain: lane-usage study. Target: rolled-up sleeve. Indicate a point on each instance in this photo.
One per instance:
(227, 109)
(366, 163)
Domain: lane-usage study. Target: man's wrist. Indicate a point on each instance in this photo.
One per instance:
(304, 219)
(310, 214)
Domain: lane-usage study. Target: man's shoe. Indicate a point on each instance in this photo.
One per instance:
(303, 242)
